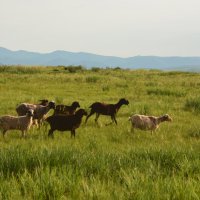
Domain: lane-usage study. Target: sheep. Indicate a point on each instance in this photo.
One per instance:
(106, 109)
(65, 122)
(39, 110)
(23, 123)
(43, 102)
(66, 110)
(144, 122)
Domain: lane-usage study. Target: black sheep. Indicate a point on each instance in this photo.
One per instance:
(66, 122)
(106, 109)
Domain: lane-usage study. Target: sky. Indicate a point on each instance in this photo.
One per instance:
(122, 28)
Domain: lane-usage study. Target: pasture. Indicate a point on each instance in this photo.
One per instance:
(103, 162)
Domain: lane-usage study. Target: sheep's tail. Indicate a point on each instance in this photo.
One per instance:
(129, 119)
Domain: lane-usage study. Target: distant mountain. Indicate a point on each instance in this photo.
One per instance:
(8, 57)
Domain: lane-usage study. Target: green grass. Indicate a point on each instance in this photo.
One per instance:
(193, 104)
(103, 162)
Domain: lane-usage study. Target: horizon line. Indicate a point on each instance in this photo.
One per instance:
(84, 52)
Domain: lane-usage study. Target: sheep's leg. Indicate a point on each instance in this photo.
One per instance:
(39, 123)
(23, 134)
(35, 122)
(152, 132)
(113, 120)
(4, 132)
(97, 117)
(50, 134)
(73, 133)
(91, 113)
(45, 126)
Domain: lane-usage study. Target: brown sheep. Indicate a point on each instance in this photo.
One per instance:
(66, 110)
(106, 109)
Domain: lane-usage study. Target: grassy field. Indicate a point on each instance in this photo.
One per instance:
(103, 162)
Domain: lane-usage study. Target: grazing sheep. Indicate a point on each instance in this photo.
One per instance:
(144, 122)
(65, 122)
(66, 110)
(39, 110)
(106, 109)
(23, 123)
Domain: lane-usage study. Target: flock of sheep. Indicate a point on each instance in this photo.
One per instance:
(66, 118)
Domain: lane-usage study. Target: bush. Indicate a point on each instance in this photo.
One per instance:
(74, 69)
(95, 69)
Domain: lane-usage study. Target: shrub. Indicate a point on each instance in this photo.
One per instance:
(74, 69)
(95, 69)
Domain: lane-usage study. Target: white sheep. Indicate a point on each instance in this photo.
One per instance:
(144, 122)
(40, 111)
(23, 123)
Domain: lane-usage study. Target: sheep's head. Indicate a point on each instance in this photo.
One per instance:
(44, 102)
(30, 113)
(52, 104)
(81, 112)
(124, 101)
(166, 117)
(75, 104)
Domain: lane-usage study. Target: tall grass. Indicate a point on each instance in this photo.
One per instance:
(166, 92)
(20, 69)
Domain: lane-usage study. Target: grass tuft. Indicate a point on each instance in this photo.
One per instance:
(193, 105)
(166, 92)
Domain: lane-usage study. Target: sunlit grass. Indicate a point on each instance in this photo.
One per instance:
(102, 162)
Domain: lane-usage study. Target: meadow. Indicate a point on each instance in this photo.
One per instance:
(103, 162)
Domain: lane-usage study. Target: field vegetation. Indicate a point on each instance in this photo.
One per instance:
(103, 162)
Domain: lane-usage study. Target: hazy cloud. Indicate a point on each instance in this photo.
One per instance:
(109, 27)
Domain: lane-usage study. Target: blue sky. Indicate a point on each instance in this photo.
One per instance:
(108, 27)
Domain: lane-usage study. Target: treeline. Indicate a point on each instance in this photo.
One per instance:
(60, 68)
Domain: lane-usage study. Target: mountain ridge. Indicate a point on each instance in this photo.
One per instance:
(61, 57)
